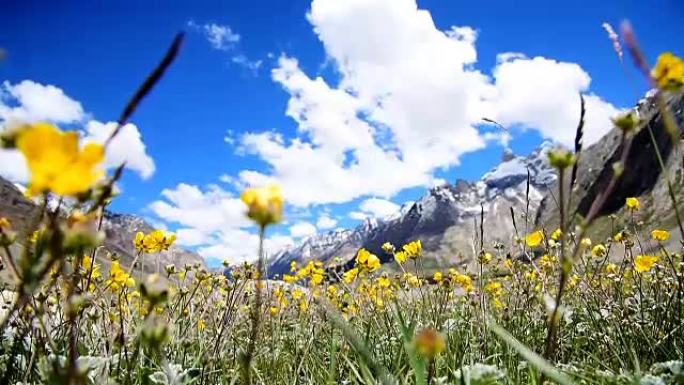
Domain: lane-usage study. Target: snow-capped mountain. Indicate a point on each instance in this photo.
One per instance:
(443, 219)
(446, 219)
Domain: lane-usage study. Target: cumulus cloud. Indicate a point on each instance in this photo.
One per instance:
(213, 220)
(325, 222)
(302, 229)
(543, 94)
(37, 102)
(375, 208)
(28, 102)
(127, 146)
(409, 102)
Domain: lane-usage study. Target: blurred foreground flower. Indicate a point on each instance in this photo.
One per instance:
(429, 343)
(668, 73)
(56, 162)
(265, 204)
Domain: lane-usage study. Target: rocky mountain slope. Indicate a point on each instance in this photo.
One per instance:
(446, 219)
(119, 229)
(642, 176)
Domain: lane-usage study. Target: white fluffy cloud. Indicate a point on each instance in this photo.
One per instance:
(302, 229)
(375, 208)
(325, 222)
(544, 94)
(409, 102)
(37, 102)
(28, 102)
(127, 146)
(214, 221)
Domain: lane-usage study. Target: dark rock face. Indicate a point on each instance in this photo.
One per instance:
(120, 229)
(642, 174)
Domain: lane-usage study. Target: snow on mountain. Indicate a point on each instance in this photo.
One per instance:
(442, 218)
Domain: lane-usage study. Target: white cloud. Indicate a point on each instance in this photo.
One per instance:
(544, 94)
(214, 221)
(37, 102)
(221, 37)
(408, 103)
(127, 147)
(251, 65)
(325, 222)
(378, 208)
(302, 229)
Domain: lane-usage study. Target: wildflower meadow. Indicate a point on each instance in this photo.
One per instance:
(555, 304)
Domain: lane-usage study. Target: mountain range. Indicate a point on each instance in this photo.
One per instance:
(119, 230)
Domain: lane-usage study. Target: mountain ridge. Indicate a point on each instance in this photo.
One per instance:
(444, 219)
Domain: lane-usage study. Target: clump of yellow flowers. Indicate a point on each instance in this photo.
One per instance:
(153, 242)
(57, 162)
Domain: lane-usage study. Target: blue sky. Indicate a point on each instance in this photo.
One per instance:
(98, 52)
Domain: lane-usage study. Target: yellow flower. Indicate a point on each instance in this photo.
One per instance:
(4, 224)
(598, 251)
(138, 241)
(400, 257)
(534, 239)
(56, 162)
(485, 258)
(632, 203)
(201, 325)
(265, 204)
(369, 262)
(429, 343)
(437, 277)
(574, 280)
(585, 242)
(289, 278)
(297, 294)
(556, 234)
(119, 278)
(88, 265)
(412, 280)
(387, 247)
(413, 249)
(668, 73)
(350, 275)
(293, 266)
(494, 288)
(611, 268)
(644, 263)
(273, 310)
(508, 263)
(660, 235)
(383, 281)
(464, 281)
